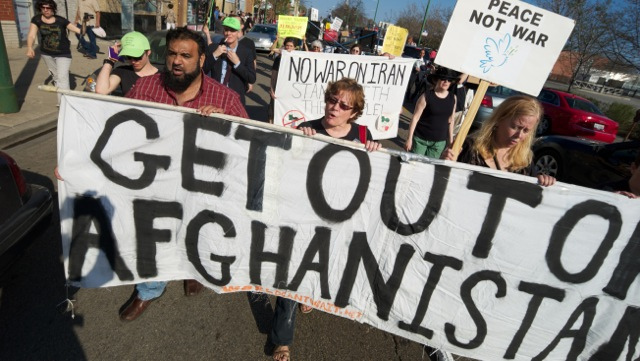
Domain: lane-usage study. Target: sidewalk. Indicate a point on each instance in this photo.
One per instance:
(38, 112)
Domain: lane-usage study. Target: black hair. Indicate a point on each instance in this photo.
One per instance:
(51, 3)
(170, 6)
(186, 34)
(290, 39)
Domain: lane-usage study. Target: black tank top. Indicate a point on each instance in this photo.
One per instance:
(434, 122)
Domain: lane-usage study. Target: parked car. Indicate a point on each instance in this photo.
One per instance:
(494, 96)
(23, 207)
(584, 162)
(263, 35)
(569, 114)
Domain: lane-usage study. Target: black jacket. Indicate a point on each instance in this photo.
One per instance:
(241, 76)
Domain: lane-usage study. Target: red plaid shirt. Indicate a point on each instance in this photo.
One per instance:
(211, 92)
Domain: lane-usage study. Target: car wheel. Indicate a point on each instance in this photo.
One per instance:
(544, 127)
(548, 162)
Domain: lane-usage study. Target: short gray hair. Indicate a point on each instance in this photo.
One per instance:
(317, 43)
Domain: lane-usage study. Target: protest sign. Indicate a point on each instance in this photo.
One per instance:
(479, 262)
(336, 24)
(303, 77)
(512, 43)
(293, 26)
(394, 40)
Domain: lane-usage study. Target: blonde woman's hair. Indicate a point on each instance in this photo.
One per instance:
(520, 156)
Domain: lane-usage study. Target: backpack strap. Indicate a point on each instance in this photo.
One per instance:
(362, 130)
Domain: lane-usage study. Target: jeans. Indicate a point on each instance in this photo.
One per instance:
(59, 70)
(90, 47)
(284, 322)
(150, 290)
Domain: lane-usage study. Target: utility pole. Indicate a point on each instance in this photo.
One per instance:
(424, 21)
(8, 99)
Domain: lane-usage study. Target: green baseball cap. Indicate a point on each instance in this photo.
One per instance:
(134, 44)
(232, 23)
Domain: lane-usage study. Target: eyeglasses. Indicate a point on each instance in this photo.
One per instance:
(343, 106)
(316, 48)
(447, 80)
(134, 58)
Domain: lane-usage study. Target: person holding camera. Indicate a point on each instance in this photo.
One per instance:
(87, 18)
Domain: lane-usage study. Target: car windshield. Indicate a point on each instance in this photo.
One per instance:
(264, 30)
(583, 105)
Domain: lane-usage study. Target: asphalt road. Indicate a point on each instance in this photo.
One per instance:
(175, 327)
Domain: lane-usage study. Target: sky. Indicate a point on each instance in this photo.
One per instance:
(388, 10)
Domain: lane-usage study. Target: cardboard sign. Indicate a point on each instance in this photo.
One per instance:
(481, 263)
(510, 43)
(336, 24)
(303, 77)
(394, 40)
(293, 26)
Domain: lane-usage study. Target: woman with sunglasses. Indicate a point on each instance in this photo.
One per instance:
(431, 128)
(344, 100)
(135, 51)
(54, 43)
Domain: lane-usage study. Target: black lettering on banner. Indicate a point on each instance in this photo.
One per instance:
(500, 190)
(192, 154)
(150, 162)
(315, 173)
(565, 226)
(144, 212)
(439, 263)
(259, 256)
(388, 211)
(628, 330)
(465, 293)
(627, 269)
(193, 237)
(587, 309)
(319, 245)
(256, 164)
(88, 210)
(384, 293)
(539, 292)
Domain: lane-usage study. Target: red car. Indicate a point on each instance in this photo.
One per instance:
(569, 114)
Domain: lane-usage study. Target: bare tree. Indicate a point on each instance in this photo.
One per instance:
(411, 19)
(351, 12)
(588, 39)
(624, 34)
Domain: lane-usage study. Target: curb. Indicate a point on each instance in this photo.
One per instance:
(29, 130)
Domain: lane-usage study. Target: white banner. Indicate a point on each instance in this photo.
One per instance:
(511, 43)
(481, 263)
(303, 78)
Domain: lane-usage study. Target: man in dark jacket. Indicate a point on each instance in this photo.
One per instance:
(230, 62)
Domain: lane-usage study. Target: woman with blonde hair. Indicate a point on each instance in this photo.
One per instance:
(504, 140)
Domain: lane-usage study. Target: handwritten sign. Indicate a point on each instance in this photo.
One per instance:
(510, 43)
(481, 263)
(394, 40)
(336, 24)
(293, 26)
(303, 77)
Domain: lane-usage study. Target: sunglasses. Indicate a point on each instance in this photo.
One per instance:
(46, 8)
(343, 106)
(447, 80)
(134, 58)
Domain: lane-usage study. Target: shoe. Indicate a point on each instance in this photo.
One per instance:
(304, 308)
(192, 287)
(90, 56)
(134, 309)
(281, 353)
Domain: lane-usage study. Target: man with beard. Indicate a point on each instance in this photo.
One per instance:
(136, 51)
(184, 84)
(230, 62)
